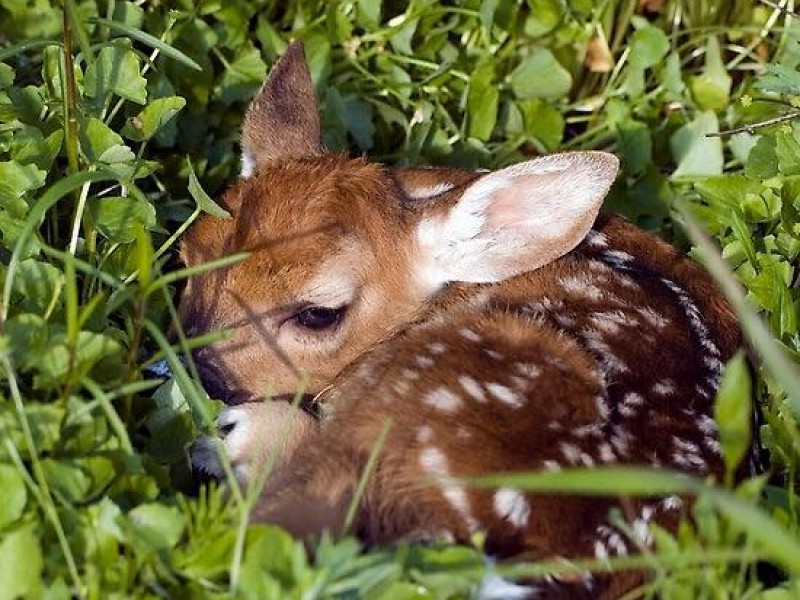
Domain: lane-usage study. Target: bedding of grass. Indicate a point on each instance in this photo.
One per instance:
(118, 123)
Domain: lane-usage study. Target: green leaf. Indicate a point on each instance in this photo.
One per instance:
(369, 13)
(544, 17)
(158, 526)
(152, 118)
(96, 137)
(90, 349)
(203, 200)
(733, 412)
(541, 76)
(482, 101)
(6, 76)
(14, 495)
(15, 181)
(544, 123)
(116, 70)
(648, 46)
(21, 564)
(711, 89)
(243, 76)
(696, 154)
(119, 219)
(635, 146)
(36, 284)
(30, 146)
(787, 151)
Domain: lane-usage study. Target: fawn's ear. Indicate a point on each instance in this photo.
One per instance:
(422, 183)
(283, 119)
(516, 219)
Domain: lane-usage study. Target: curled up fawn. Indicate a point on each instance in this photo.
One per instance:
(491, 322)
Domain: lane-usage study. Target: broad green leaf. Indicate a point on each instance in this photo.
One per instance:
(14, 495)
(15, 181)
(635, 146)
(243, 76)
(29, 145)
(369, 13)
(787, 150)
(482, 101)
(695, 153)
(36, 284)
(781, 79)
(116, 71)
(6, 76)
(540, 75)
(152, 118)
(203, 200)
(96, 137)
(648, 46)
(711, 89)
(733, 411)
(544, 17)
(21, 564)
(67, 479)
(119, 219)
(89, 352)
(544, 123)
(157, 525)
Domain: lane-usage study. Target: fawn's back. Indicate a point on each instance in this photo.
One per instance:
(487, 322)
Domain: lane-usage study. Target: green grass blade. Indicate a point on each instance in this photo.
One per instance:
(149, 40)
(24, 47)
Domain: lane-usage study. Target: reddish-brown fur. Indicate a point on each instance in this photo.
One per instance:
(608, 355)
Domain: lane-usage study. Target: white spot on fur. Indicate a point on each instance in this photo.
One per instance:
(469, 334)
(410, 374)
(664, 388)
(672, 503)
(436, 347)
(580, 285)
(551, 465)
(443, 399)
(600, 550)
(606, 453)
(424, 434)
(434, 462)
(505, 395)
(424, 361)
(527, 370)
(596, 239)
(494, 354)
(512, 505)
(652, 317)
(472, 387)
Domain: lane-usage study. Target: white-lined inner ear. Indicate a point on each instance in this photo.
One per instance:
(516, 219)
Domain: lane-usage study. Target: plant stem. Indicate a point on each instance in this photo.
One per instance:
(70, 98)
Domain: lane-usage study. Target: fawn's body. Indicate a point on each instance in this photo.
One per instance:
(426, 303)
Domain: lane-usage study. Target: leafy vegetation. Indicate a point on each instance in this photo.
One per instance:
(118, 119)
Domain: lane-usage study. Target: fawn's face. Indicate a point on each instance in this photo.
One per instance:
(328, 273)
(342, 252)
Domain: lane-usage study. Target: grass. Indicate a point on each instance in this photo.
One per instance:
(118, 124)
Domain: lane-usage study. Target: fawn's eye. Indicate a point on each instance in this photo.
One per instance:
(318, 318)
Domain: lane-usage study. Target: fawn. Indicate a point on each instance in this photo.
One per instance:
(491, 320)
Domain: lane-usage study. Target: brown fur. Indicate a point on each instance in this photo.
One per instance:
(608, 355)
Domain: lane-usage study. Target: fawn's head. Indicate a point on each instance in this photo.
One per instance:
(342, 252)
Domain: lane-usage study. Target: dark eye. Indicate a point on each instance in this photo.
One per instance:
(319, 317)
